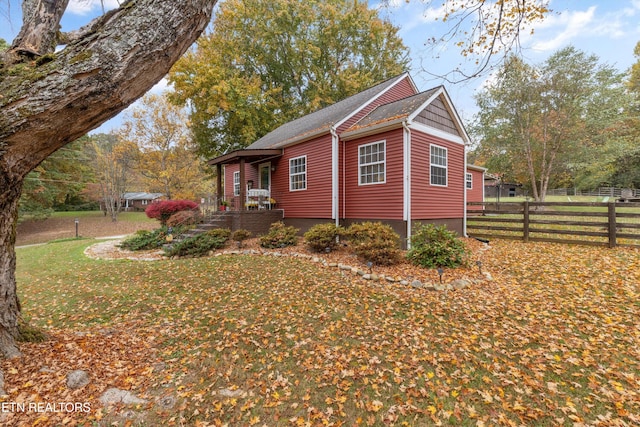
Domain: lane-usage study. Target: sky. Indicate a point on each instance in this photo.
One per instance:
(608, 29)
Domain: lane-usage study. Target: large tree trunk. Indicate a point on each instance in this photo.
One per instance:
(50, 101)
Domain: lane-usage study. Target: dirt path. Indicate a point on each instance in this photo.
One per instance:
(93, 224)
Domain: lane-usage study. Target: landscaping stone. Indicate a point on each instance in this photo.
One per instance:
(225, 392)
(77, 379)
(417, 284)
(461, 284)
(115, 395)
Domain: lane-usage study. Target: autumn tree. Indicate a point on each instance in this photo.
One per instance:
(49, 97)
(537, 123)
(267, 62)
(112, 162)
(166, 156)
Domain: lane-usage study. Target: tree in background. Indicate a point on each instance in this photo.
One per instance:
(542, 123)
(166, 156)
(267, 62)
(113, 165)
(57, 181)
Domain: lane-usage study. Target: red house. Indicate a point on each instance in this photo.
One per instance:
(389, 154)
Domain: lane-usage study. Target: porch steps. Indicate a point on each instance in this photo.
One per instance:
(210, 222)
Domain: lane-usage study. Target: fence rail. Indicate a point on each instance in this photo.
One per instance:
(603, 224)
(601, 192)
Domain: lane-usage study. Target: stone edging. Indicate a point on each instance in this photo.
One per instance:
(462, 283)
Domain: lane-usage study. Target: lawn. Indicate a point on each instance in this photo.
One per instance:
(255, 340)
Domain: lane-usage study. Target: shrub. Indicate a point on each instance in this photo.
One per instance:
(163, 210)
(436, 246)
(322, 236)
(240, 235)
(145, 240)
(374, 242)
(200, 244)
(183, 218)
(279, 236)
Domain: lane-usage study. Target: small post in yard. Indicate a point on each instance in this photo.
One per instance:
(77, 221)
(611, 218)
(525, 221)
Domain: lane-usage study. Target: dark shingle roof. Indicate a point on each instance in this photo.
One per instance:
(395, 110)
(321, 120)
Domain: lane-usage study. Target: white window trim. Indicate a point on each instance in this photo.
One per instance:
(469, 181)
(446, 168)
(298, 173)
(236, 183)
(384, 163)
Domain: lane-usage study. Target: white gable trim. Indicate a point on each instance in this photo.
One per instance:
(449, 106)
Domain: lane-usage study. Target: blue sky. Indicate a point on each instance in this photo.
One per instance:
(609, 29)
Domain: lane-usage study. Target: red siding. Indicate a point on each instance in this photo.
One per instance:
(315, 201)
(251, 173)
(476, 192)
(400, 90)
(379, 201)
(433, 202)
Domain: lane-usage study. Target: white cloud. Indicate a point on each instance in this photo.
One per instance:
(569, 25)
(85, 7)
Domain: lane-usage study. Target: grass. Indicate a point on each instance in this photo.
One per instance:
(545, 343)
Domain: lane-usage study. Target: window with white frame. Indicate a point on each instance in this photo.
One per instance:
(469, 181)
(372, 163)
(438, 166)
(236, 183)
(298, 173)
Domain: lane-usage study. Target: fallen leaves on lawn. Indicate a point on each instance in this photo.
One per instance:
(246, 340)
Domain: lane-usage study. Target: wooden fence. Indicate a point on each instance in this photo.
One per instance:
(604, 224)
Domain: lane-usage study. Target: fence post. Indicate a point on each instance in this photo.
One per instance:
(611, 209)
(525, 222)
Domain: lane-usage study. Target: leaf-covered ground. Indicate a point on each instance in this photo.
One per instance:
(554, 339)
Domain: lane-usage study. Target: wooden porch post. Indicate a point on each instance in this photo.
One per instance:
(243, 186)
(219, 192)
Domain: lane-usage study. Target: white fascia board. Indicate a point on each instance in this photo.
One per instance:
(437, 133)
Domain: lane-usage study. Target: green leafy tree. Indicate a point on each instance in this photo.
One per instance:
(56, 181)
(267, 62)
(541, 123)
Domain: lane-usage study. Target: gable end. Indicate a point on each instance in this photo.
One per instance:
(437, 115)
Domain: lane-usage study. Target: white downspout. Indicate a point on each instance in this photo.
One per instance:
(406, 158)
(335, 176)
(464, 203)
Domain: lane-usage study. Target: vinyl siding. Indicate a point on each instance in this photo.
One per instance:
(429, 201)
(475, 193)
(379, 201)
(315, 201)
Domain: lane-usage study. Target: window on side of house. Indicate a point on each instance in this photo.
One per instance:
(298, 173)
(438, 175)
(236, 183)
(372, 163)
(469, 181)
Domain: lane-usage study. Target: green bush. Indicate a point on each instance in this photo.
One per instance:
(279, 236)
(435, 246)
(144, 240)
(374, 242)
(322, 236)
(200, 244)
(240, 236)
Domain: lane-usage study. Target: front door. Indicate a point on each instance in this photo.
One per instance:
(265, 176)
